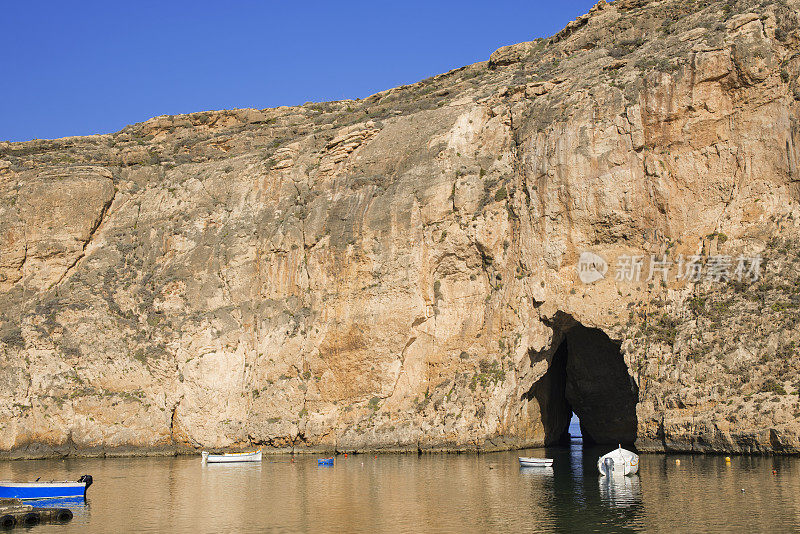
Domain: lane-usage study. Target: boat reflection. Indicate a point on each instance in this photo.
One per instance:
(232, 467)
(79, 506)
(620, 491)
(536, 472)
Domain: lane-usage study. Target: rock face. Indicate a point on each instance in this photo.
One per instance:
(404, 272)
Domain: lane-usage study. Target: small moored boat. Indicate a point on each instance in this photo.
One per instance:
(535, 462)
(230, 457)
(45, 490)
(324, 461)
(618, 462)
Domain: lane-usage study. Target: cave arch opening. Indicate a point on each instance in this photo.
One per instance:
(587, 377)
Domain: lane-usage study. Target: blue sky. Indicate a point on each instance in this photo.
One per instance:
(84, 67)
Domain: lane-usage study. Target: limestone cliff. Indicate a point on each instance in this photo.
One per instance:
(402, 272)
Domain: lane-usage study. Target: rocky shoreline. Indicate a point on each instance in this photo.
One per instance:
(747, 446)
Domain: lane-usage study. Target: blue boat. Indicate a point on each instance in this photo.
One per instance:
(45, 490)
(324, 461)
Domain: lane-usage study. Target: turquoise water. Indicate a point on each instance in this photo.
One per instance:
(428, 493)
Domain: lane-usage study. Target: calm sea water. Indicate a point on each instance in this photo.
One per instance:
(429, 493)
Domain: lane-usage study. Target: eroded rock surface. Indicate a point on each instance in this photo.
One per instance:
(401, 272)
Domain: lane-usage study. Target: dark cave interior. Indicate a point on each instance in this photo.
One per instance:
(587, 376)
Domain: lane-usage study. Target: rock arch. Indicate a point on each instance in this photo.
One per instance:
(588, 376)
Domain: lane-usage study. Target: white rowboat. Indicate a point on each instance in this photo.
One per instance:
(618, 462)
(230, 457)
(535, 462)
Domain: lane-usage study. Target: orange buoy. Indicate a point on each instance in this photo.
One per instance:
(345, 455)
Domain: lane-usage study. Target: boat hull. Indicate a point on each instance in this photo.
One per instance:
(619, 462)
(232, 457)
(535, 462)
(42, 490)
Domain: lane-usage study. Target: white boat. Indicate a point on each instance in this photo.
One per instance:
(230, 457)
(618, 462)
(535, 462)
